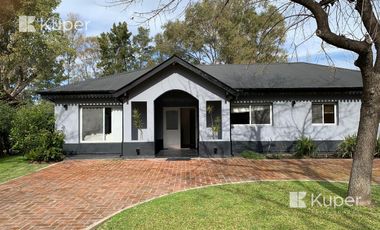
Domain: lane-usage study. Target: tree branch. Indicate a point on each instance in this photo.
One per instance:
(325, 33)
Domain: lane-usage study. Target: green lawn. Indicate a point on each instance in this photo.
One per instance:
(15, 166)
(261, 205)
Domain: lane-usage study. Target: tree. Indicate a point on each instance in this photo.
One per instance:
(83, 55)
(352, 25)
(75, 37)
(116, 51)
(213, 32)
(121, 51)
(89, 57)
(6, 116)
(369, 65)
(143, 48)
(29, 60)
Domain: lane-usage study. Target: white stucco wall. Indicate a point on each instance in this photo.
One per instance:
(176, 81)
(67, 122)
(289, 123)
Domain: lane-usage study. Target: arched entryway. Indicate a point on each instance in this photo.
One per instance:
(176, 124)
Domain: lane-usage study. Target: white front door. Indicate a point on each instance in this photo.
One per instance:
(172, 128)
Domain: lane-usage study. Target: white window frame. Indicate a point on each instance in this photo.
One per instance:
(81, 124)
(323, 113)
(250, 114)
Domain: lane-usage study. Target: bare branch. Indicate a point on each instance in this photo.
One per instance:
(325, 33)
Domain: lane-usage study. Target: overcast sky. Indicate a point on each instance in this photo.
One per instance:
(101, 16)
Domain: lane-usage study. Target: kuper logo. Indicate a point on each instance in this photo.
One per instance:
(25, 23)
(29, 23)
(298, 200)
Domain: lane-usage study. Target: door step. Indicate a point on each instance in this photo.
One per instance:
(178, 158)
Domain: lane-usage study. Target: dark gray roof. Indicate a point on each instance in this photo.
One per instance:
(104, 84)
(255, 76)
(284, 76)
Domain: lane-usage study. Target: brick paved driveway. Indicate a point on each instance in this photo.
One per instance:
(76, 194)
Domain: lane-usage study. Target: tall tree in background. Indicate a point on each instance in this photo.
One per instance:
(121, 51)
(213, 32)
(89, 57)
(143, 49)
(29, 60)
(116, 50)
(83, 54)
(75, 36)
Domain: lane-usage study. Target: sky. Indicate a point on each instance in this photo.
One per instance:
(100, 15)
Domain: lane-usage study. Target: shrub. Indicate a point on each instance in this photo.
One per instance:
(305, 147)
(33, 133)
(347, 147)
(251, 155)
(6, 115)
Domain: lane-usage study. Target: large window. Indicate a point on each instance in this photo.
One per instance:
(260, 114)
(139, 117)
(323, 113)
(214, 117)
(101, 124)
(214, 112)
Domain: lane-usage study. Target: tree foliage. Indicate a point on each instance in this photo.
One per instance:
(33, 133)
(82, 59)
(6, 116)
(120, 51)
(29, 60)
(213, 32)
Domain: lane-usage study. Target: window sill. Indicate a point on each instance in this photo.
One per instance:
(100, 142)
(252, 125)
(324, 124)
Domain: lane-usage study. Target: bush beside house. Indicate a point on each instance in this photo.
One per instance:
(346, 149)
(33, 133)
(305, 147)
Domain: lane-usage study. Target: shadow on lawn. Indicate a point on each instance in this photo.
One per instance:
(279, 199)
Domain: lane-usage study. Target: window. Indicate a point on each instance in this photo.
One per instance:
(240, 115)
(92, 124)
(99, 124)
(214, 112)
(323, 113)
(172, 120)
(140, 110)
(259, 114)
(214, 117)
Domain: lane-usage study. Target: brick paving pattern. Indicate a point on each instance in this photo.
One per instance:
(76, 194)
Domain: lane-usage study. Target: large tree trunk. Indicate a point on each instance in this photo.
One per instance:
(361, 172)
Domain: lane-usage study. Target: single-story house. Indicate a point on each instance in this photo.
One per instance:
(214, 110)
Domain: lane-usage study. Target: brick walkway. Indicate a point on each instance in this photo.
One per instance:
(76, 194)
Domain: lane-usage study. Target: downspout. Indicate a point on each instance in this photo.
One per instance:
(122, 131)
(232, 153)
(122, 126)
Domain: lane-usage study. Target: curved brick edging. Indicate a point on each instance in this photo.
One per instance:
(77, 194)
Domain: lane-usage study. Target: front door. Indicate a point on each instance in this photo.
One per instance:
(172, 128)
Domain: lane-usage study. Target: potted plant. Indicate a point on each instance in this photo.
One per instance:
(138, 123)
(215, 125)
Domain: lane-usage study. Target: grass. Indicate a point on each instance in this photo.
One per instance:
(15, 166)
(252, 155)
(261, 205)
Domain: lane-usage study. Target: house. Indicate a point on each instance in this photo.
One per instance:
(216, 110)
